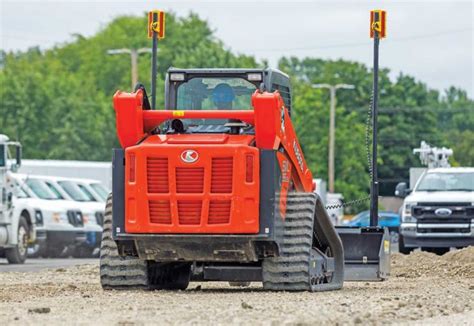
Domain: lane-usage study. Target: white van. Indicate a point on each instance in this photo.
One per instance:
(59, 223)
(92, 210)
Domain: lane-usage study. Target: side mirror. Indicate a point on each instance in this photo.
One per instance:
(401, 190)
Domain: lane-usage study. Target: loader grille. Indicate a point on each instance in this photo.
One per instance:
(189, 212)
(157, 175)
(222, 170)
(189, 180)
(160, 211)
(219, 211)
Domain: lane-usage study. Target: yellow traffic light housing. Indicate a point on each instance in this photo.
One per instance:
(156, 24)
(378, 26)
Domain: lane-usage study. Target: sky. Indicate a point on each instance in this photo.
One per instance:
(430, 40)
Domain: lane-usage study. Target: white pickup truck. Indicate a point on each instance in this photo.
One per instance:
(439, 212)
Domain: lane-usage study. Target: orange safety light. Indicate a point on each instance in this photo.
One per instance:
(378, 23)
(156, 24)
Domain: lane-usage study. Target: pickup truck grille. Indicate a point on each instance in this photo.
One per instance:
(75, 218)
(443, 217)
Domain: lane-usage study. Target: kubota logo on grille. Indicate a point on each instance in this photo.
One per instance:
(189, 156)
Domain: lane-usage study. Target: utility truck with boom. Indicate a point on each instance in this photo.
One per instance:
(438, 213)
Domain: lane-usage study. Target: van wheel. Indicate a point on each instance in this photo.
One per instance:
(17, 254)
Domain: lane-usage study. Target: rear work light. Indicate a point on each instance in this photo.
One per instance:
(249, 168)
(177, 76)
(254, 77)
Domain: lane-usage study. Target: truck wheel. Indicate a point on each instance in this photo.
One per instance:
(117, 272)
(309, 244)
(17, 255)
(401, 246)
(437, 251)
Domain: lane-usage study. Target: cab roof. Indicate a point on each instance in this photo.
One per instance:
(452, 170)
(224, 70)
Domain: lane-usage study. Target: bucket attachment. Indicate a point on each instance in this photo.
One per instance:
(366, 253)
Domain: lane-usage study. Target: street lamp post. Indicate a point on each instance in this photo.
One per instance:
(134, 53)
(332, 127)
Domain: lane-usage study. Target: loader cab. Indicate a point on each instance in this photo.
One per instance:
(216, 89)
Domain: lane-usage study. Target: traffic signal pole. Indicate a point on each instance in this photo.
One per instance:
(156, 31)
(153, 70)
(377, 31)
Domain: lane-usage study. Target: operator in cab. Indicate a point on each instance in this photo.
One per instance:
(223, 96)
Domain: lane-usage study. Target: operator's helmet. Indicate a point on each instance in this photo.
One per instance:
(223, 94)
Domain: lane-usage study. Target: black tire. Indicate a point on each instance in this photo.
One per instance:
(17, 254)
(437, 251)
(169, 276)
(130, 273)
(401, 246)
(54, 251)
(117, 272)
(82, 252)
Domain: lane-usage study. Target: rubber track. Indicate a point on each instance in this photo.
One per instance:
(290, 271)
(117, 272)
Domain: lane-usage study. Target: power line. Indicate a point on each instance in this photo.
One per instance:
(322, 47)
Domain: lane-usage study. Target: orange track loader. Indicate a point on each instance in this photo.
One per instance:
(215, 188)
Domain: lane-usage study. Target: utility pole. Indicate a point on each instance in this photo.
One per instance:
(134, 53)
(332, 127)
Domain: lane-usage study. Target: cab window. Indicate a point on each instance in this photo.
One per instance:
(86, 192)
(227, 93)
(54, 190)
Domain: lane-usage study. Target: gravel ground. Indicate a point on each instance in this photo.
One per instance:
(424, 289)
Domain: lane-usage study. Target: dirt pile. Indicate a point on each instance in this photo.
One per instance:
(420, 264)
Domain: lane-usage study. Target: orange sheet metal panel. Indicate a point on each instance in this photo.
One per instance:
(192, 184)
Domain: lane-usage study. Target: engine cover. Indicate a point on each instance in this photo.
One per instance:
(192, 183)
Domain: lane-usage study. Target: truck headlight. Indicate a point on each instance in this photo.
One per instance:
(406, 214)
(408, 219)
(407, 208)
(59, 217)
(88, 219)
(38, 217)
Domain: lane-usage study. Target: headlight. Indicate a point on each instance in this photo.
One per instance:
(59, 217)
(88, 219)
(407, 208)
(38, 217)
(406, 214)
